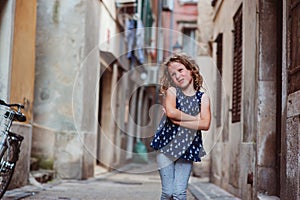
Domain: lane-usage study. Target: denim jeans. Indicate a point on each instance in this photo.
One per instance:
(174, 176)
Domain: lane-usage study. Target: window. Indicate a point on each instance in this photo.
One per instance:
(237, 66)
(219, 63)
(188, 41)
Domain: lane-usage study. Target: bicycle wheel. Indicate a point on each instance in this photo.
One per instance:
(7, 165)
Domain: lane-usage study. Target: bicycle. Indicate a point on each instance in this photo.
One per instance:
(10, 142)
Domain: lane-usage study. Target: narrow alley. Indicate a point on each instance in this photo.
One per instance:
(92, 76)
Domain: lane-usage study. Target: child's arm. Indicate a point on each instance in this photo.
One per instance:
(202, 120)
(171, 111)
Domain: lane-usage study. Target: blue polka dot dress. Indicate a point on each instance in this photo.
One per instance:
(177, 141)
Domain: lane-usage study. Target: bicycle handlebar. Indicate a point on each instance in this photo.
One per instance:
(2, 102)
(11, 105)
(19, 115)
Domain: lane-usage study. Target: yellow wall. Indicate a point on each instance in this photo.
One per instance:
(23, 59)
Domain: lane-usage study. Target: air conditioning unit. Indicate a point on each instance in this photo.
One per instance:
(168, 5)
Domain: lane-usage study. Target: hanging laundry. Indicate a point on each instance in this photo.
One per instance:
(134, 36)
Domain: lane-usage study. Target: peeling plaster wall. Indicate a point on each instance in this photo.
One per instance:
(60, 46)
(66, 86)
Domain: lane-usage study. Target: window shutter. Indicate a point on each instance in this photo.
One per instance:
(219, 52)
(294, 68)
(237, 66)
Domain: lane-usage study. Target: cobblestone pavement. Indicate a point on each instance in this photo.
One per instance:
(111, 186)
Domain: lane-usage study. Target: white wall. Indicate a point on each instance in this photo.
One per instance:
(6, 41)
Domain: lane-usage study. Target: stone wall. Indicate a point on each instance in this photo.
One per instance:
(291, 149)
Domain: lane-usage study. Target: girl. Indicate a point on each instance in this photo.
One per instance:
(178, 140)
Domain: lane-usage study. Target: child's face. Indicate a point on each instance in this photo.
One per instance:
(181, 77)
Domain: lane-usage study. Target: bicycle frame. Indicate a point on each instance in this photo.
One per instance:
(9, 143)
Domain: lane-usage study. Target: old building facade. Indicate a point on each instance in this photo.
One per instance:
(255, 50)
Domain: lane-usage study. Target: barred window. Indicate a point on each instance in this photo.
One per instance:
(237, 66)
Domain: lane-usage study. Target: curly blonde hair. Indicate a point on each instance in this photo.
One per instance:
(189, 63)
